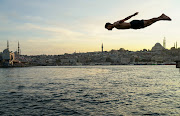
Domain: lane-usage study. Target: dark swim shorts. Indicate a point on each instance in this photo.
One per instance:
(137, 24)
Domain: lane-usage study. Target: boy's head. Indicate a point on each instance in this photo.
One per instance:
(109, 26)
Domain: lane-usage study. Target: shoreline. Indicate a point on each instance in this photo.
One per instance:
(88, 65)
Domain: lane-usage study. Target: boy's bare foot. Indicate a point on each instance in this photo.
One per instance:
(164, 17)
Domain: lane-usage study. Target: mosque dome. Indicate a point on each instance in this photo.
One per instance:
(157, 47)
(5, 54)
(5, 51)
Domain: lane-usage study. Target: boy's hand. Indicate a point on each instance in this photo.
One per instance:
(136, 13)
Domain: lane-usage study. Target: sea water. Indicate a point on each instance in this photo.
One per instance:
(90, 90)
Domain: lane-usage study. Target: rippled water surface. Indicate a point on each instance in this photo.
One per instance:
(90, 90)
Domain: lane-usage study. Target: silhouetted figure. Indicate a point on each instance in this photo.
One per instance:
(135, 24)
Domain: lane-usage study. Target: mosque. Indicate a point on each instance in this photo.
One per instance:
(9, 58)
(158, 47)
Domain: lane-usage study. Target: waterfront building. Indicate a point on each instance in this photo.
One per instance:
(69, 61)
(9, 58)
(125, 60)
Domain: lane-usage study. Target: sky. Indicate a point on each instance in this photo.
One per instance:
(54, 27)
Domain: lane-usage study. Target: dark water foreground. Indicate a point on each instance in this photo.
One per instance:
(101, 90)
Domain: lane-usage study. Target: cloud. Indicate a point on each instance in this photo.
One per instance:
(33, 18)
(53, 29)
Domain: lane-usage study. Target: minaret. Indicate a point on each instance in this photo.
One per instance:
(18, 49)
(102, 47)
(7, 44)
(164, 43)
(176, 44)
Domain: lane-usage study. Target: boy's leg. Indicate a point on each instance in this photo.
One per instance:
(153, 20)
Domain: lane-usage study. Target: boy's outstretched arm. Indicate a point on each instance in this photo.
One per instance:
(130, 16)
(121, 21)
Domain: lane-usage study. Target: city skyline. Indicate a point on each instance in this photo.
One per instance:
(163, 44)
(57, 27)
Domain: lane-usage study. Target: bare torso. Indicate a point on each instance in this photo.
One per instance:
(123, 25)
